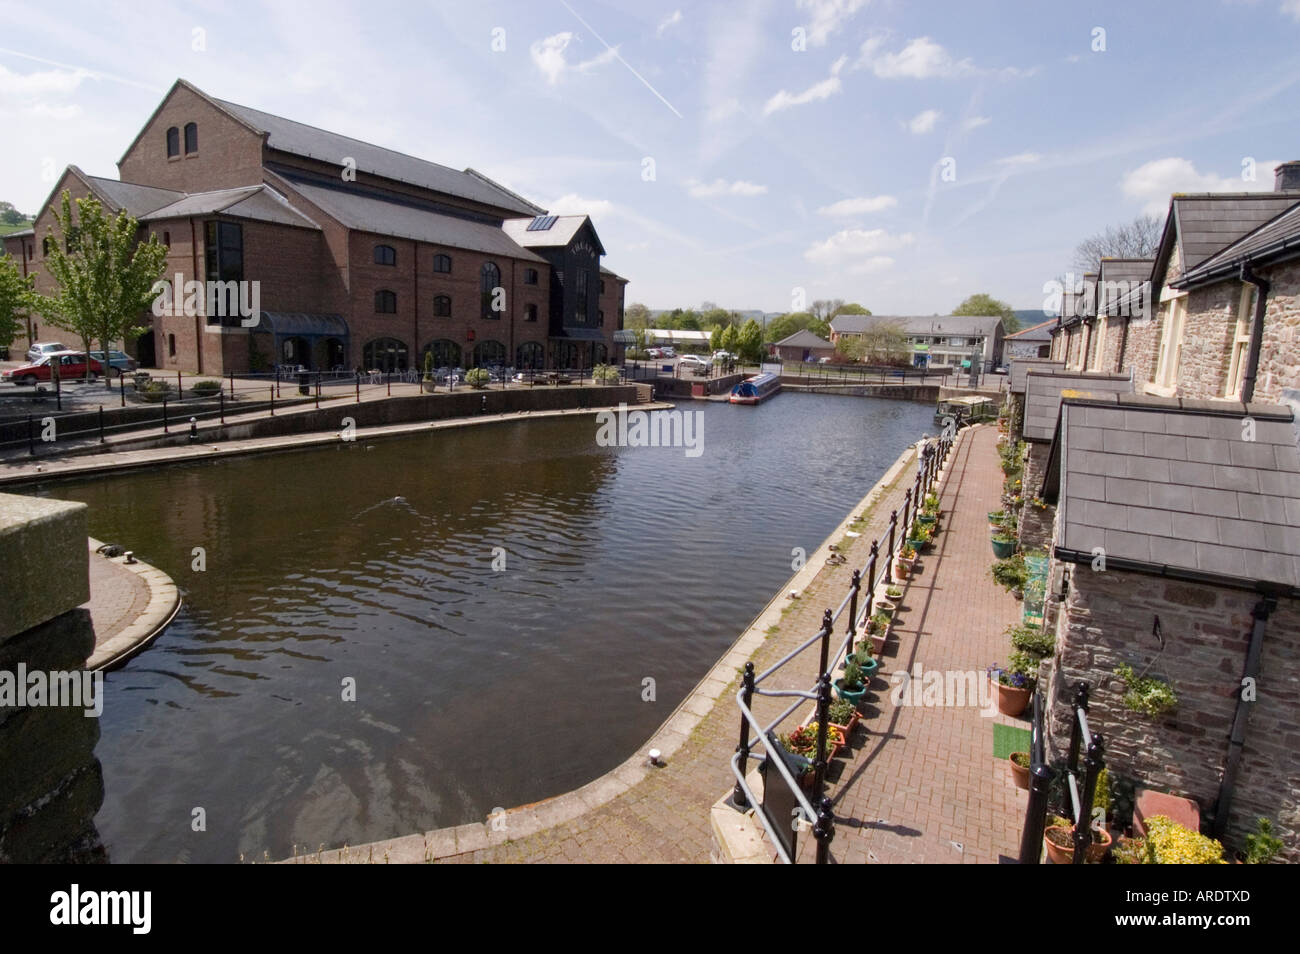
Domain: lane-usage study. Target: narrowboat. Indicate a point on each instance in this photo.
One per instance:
(965, 410)
(758, 388)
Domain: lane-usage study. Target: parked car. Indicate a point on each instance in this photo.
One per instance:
(655, 352)
(42, 348)
(119, 362)
(668, 352)
(694, 361)
(72, 367)
(719, 356)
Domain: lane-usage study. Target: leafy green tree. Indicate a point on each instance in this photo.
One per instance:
(749, 342)
(729, 340)
(9, 215)
(105, 276)
(715, 339)
(986, 305)
(853, 348)
(15, 297)
(852, 308)
(636, 315)
(824, 309)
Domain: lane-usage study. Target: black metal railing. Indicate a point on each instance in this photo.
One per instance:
(1080, 789)
(816, 808)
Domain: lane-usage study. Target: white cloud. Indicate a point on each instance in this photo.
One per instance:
(723, 110)
(857, 250)
(975, 122)
(708, 190)
(41, 93)
(863, 205)
(1020, 159)
(823, 90)
(671, 20)
(573, 204)
(1153, 182)
(548, 56)
(923, 122)
(1292, 9)
(921, 58)
(827, 16)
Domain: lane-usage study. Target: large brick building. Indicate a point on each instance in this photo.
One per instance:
(362, 257)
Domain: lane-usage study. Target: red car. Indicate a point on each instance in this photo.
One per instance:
(72, 367)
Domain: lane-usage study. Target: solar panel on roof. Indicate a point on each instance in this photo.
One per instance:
(542, 223)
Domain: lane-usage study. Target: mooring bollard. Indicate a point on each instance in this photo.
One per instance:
(273, 402)
(164, 412)
(222, 395)
(101, 423)
(194, 429)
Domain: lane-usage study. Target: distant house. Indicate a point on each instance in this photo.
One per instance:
(802, 345)
(934, 340)
(1032, 342)
(1177, 552)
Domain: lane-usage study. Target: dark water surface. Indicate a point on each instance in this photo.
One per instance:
(475, 688)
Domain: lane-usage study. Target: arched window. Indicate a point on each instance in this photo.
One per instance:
(384, 354)
(488, 353)
(599, 353)
(173, 142)
(530, 312)
(530, 276)
(566, 355)
(385, 302)
(191, 138)
(171, 346)
(530, 354)
(442, 263)
(600, 319)
(489, 282)
(167, 239)
(385, 255)
(446, 353)
(45, 247)
(442, 306)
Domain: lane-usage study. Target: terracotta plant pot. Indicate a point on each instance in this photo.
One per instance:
(1060, 855)
(1012, 701)
(878, 641)
(1019, 773)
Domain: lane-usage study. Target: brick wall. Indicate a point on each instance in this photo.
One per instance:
(1107, 619)
(229, 153)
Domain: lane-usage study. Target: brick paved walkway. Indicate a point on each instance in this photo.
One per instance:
(923, 786)
(117, 597)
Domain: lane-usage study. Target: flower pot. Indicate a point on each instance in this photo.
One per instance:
(885, 607)
(1012, 701)
(1063, 855)
(852, 695)
(869, 668)
(902, 569)
(1019, 774)
(429, 387)
(1003, 549)
(878, 641)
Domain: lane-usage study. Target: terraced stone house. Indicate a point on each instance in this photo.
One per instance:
(364, 258)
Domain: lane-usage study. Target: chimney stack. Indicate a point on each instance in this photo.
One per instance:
(1286, 177)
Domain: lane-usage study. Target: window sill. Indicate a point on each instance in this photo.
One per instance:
(1159, 390)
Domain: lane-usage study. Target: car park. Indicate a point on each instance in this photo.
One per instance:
(694, 361)
(72, 367)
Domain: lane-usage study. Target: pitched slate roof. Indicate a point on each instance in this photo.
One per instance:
(803, 338)
(1022, 366)
(1039, 332)
(1277, 239)
(959, 325)
(1122, 280)
(1044, 391)
(137, 200)
(258, 202)
(299, 139)
(370, 214)
(558, 233)
(1209, 221)
(1172, 486)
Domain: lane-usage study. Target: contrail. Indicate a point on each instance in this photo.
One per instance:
(619, 57)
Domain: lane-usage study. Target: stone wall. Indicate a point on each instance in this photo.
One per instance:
(1035, 522)
(1107, 618)
(1112, 342)
(1140, 350)
(1206, 349)
(1279, 355)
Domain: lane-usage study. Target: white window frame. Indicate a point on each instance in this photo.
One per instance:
(1171, 346)
(1099, 335)
(1240, 348)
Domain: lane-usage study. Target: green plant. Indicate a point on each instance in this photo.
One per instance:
(605, 374)
(894, 592)
(852, 675)
(477, 377)
(1262, 847)
(1146, 694)
(156, 390)
(428, 366)
(1011, 573)
(841, 711)
(931, 503)
(908, 552)
(1169, 843)
(1129, 851)
(878, 623)
(205, 387)
(1021, 759)
(140, 379)
(1020, 672)
(1033, 640)
(1101, 798)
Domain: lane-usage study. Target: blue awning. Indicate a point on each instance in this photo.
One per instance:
(298, 324)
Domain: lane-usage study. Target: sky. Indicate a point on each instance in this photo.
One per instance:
(753, 154)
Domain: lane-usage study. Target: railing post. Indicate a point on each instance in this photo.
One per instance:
(1076, 732)
(358, 387)
(907, 509)
(854, 586)
(738, 798)
(273, 402)
(232, 384)
(31, 437)
(823, 714)
(827, 626)
(824, 830)
(889, 554)
(1092, 765)
(871, 574)
(121, 388)
(164, 412)
(222, 405)
(101, 423)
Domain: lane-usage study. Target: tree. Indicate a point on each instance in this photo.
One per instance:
(715, 339)
(1137, 239)
(749, 341)
(15, 296)
(885, 342)
(729, 339)
(106, 277)
(852, 348)
(986, 305)
(636, 315)
(852, 308)
(9, 215)
(824, 309)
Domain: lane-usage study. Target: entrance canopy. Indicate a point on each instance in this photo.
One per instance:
(301, 325)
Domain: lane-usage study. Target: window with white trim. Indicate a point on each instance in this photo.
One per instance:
(1241, 342)
(1171, 343)
(1099, 333)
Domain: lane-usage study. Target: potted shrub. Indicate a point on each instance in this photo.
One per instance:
(1019, 768)
(428, 383)
(156, 390)
(206, 388)
(1261, 846)
(1011, 573)
(894, 593)
(1015, 682)
(865, 660)
(843, 715)
(803, 741)
(1146, 694)
(906, 558)
(478, 378)
(1058, 839)
(1033, 640)
(1004, 544)
(1169, 843)
(851, 686)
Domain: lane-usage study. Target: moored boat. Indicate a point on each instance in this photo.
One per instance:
(758, 388)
